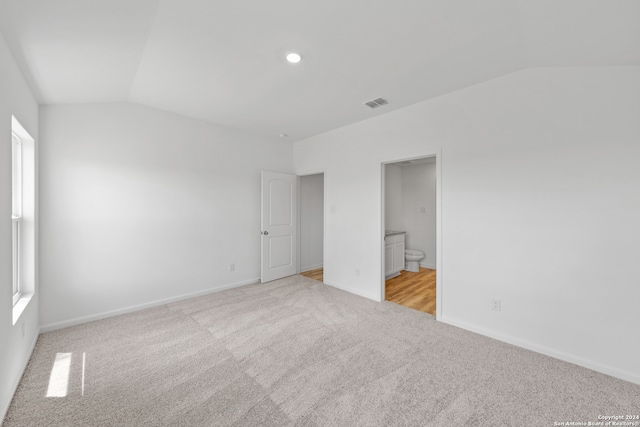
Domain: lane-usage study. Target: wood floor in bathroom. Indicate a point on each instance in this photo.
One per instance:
(414, 290)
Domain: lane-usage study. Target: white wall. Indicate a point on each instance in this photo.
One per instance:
(418, 193)
(393, 209)
(15, 349)
(408, 189)
(540, 203)
(311, 221)
(140, 206)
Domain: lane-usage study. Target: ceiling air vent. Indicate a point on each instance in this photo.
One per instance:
(378, 102)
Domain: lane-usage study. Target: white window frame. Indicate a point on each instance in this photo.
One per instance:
(16, 215)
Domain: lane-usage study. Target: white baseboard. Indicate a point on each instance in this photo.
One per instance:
(16, 381)
(353, 291)
(309, 268)
(431, 266)
(130, 309)
(585, 363)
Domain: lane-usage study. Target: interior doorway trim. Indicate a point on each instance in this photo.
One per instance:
(440, 274)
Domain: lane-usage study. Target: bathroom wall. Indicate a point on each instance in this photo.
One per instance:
(394, 218)
(408, 190)
(419, 210)
(140, 206)
(311, 221)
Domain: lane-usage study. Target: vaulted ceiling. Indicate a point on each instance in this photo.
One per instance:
(223, 60)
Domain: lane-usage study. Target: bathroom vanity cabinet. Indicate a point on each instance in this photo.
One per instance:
(393, 254)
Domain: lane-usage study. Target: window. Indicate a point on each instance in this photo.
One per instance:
(16, 214)
(23, 217)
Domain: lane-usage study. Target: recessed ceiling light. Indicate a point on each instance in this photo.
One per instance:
(294, 57)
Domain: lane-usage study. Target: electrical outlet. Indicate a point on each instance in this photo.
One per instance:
(496, 305)
(232, 266)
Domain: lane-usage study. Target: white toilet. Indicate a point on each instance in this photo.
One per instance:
(412, 258)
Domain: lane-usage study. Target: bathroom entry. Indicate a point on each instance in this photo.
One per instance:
(410, 233)
(311, 220)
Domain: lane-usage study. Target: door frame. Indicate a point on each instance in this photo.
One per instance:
(439, 270)
(324, 216)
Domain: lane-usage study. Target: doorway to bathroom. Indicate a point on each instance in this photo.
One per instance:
(311, 226)
(410, 216)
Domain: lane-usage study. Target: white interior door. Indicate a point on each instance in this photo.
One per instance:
(279, 228)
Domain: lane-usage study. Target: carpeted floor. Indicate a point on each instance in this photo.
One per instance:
(297, 352)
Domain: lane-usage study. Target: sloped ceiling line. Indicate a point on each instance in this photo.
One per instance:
(223, 61)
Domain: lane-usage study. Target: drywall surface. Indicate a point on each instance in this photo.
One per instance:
(16, 99)
(393, 207)
(140, 206)
(525, 216)
(311, 221)
(419, 210)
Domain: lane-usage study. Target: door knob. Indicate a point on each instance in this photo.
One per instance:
(265, 232)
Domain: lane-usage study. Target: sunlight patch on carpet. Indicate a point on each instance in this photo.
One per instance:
(59, 380)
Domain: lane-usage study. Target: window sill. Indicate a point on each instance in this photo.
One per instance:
(19, 307)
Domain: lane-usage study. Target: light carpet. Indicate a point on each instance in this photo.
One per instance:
(297, 352)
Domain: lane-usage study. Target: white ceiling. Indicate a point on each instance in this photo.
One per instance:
(223, 60)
